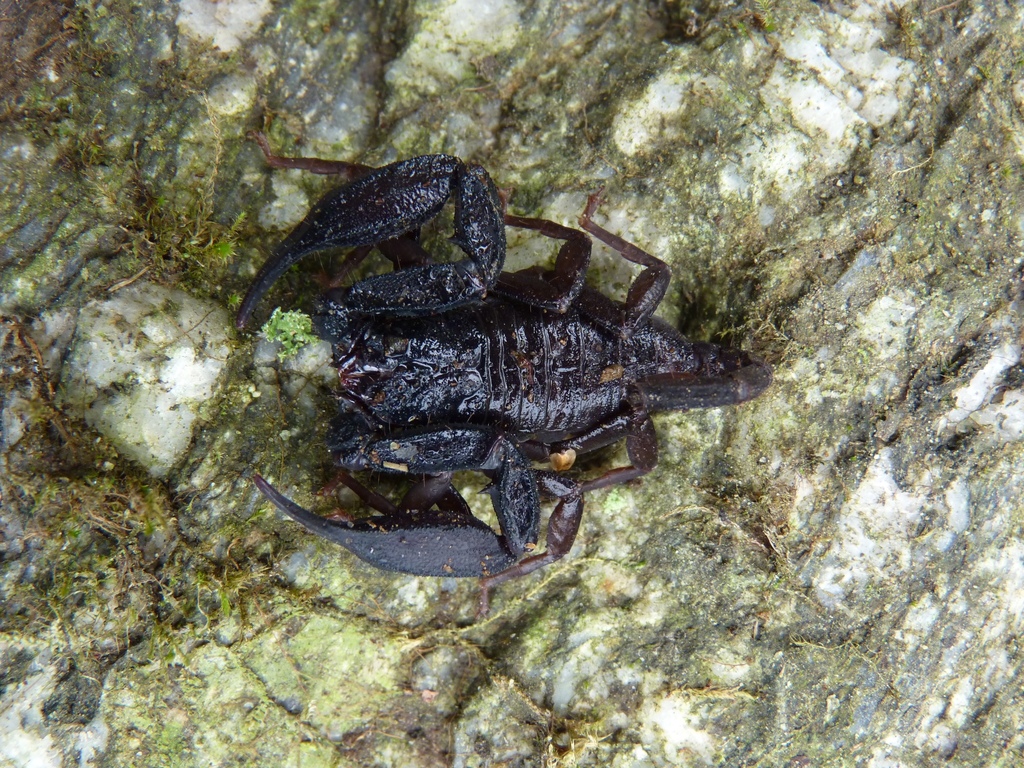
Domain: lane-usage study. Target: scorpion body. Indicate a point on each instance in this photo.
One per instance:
(456, 366)
(539, 376)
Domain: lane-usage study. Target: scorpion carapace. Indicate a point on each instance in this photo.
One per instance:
(460, 366)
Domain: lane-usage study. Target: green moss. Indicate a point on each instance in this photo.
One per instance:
(294, 330)
(765, 15)
(171, 744)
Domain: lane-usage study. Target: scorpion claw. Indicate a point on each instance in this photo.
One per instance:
(424, 544)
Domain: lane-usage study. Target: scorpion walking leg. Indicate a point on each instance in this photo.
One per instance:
(563, 525)
(646, 291)
(559, 288)
(350, 171)
(402, 252)
(634, 423)
(355, 257)
(431, 490)
(370, 498)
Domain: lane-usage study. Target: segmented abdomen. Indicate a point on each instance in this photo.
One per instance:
(502, 363)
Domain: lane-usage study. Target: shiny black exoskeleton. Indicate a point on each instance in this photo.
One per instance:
(456, 366)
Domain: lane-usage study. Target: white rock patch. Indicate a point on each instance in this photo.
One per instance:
(817, 110)
(982, 385)
(289, 205)
(1005, 571)
(24, 738)
(774, 160)
(675, 725)
(1006, 419)
(14, 419)
(140, 366)
(873, 534)
(451, 36)
(232, 95)
(92, 743)
(834, 82)
(224, 23)
(847, 60)
(974, 401)
(885, 325)
(658, 113)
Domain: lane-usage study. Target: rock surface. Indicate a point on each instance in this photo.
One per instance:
(832, 574)
(141, 366)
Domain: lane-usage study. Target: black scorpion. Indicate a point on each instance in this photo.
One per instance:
(461, 366)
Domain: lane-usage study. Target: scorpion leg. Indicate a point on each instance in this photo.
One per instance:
(431, 490)
(563, 525)
(370, 498)
(559, 288)
(632, 422)
(434, 489)
(351, 171)
(402, 252)
(646, 291)
(355, 257)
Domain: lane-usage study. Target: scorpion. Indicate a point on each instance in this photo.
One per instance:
(461, 366)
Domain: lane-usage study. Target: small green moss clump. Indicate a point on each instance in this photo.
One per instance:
(293, 329)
